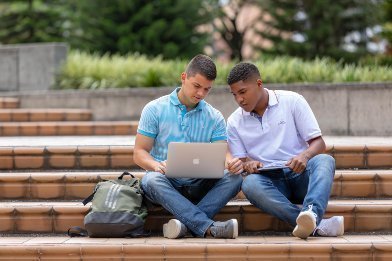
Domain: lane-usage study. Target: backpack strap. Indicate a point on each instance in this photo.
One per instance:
(89, 198)
(77, 232)
(126, 173)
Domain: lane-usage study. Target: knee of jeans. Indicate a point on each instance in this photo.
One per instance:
(325, 159)
(152, 179)
(237, 179)
(248, 184)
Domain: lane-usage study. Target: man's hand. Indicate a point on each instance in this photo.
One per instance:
(252, 166)
(160, 167)
(298, 163)
(235, 166)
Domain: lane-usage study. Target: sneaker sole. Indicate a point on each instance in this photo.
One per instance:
(341, 228)
(172, 229)
(305, 226)
(235, 228)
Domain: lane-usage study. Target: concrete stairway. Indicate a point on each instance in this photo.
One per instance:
(17, 121)
(44, 202)
(42, 184)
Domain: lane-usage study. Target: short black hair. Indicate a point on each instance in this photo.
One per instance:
(242, 72)
(203, 65)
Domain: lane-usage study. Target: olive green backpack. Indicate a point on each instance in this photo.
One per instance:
(117, 210)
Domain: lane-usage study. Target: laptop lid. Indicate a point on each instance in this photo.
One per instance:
(196, 160)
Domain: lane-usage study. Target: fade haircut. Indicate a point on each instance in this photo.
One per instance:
(242, 72)
(203, 65)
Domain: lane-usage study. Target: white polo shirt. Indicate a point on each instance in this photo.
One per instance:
(279, 135)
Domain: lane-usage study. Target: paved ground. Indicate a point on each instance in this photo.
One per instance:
(130, 140)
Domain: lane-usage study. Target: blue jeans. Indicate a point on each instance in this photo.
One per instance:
(194, 202)
(277, 192)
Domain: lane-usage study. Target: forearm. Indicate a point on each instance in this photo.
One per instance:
(144, 160)
(316, 146)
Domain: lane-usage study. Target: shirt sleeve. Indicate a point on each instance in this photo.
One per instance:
(236, 147)
(219, 133)
(305, 120)
(148, 123)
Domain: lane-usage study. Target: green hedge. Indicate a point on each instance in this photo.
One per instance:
(86, 71)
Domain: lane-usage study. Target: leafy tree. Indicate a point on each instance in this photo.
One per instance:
(387, 27)
(26, 21)
(312, 28)
(157, 27)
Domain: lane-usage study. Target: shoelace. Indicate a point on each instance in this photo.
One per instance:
(311, 209)
(315, 231)
(217, 230)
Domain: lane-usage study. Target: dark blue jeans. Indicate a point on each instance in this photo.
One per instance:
(278, 192)
(194, 202)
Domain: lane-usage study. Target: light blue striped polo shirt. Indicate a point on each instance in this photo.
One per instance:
(166, 120)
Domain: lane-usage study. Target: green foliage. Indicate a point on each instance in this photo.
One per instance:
(85, 71)
(324, 26)
(157, 27)
(387, 26)
(27, 21)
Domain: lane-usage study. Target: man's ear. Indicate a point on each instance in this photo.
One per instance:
(183, 77)
(259, 82)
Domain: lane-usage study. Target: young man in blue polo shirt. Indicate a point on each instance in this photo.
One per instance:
(279, 129)
(183, 116)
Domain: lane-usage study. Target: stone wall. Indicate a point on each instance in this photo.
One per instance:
(30, 66)
(341, 109)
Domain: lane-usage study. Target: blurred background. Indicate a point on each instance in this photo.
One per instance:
(134, 43)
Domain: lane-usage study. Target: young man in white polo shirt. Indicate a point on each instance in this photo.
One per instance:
(184, 116)
(279, 129)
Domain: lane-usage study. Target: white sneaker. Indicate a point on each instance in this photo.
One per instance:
(174, 229)
(331, 227)
(306, 223)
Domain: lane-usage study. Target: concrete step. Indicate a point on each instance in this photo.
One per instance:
(9, 103)
(67, 157)
(119, 157)
(58, 128)
(23, 115)
(58, 217)
(259, 247)
(78, 185)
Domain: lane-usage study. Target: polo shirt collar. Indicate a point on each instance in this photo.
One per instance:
(272, 100)
(175, 101)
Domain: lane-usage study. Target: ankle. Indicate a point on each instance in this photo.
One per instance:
(208, 232)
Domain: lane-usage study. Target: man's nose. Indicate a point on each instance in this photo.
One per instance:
(201, 93)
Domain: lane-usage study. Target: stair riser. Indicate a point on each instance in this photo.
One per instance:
(17, 115)
(71, 157)
(61, 186)
(126, 250)
(9, 104)
(115, 157)
(59, 129)
(58, 219)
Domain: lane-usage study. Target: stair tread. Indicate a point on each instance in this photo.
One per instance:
(46, 110)
(129, 140)
(242, 202)
(338, 172)
(154, 240)
(347, 247)
(66, 123)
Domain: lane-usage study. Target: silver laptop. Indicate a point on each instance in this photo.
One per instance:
(196, 160)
